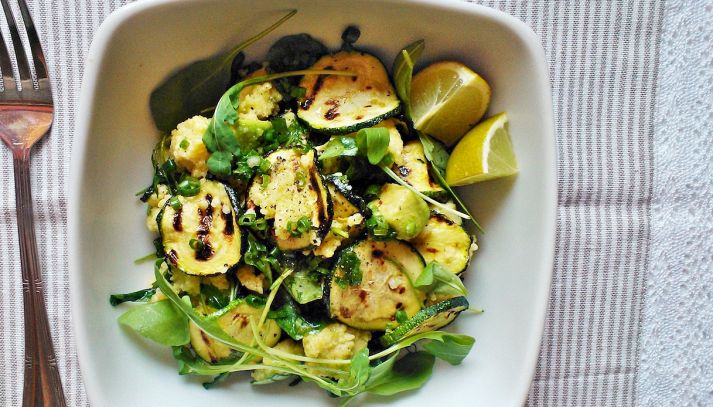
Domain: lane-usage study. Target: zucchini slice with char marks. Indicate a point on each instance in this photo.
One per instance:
(428, 319)
(208, 218)
(344, 104)
(236, 323)
(347, 223)
(413, 169)
(388, 269)
(444, 241)
(293, 190)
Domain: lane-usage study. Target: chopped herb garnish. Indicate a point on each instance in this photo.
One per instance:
(184, 144)
(297, 229)
(348, 269)
(188, 186)
(196, 244)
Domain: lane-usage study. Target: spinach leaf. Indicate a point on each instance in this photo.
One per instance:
(303, 287)
(437, 279)
(338, 147)
(214, 297)
(294, 52)
(402, 70)
(453, 349)
(350, 36)
(395, 376)
(137, 296)
(294, 325)
(158, 321)
(197, 86)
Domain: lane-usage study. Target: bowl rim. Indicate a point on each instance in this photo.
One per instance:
(94, 60)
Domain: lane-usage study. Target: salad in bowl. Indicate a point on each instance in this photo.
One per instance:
(306, 228)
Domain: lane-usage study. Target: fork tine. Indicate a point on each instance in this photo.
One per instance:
(35, 44)
(8, 78)
(20, 56)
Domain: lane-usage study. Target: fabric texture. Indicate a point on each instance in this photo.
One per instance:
(603, 59)
(677, 331)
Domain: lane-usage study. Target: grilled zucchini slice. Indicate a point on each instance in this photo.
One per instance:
(236, 323)
(293, 190)
(444, 241)
(208, 218)
(388, 269)
(413, 169)
(344, 104)
(428, 319)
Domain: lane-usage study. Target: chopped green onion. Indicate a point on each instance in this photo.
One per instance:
(189, 186)
(196, 244)
(339, 232)
(184, 144)
(175, 203)
(300, 180)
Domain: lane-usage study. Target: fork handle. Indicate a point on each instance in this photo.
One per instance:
(42, 387)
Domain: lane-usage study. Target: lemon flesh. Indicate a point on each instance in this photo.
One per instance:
(447, 99)
(483, 154)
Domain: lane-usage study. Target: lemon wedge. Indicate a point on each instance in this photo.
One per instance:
(447, 99)
(483, 154)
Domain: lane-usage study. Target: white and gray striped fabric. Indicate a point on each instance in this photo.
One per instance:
(604, 59)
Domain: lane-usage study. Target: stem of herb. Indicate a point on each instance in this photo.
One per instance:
(439, 205)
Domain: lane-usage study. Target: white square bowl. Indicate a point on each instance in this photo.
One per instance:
(140, 44)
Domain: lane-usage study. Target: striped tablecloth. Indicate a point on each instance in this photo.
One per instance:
(630, 318)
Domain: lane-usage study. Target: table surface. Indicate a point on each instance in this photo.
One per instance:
(630, 318)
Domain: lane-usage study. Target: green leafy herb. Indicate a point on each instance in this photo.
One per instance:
(294, 325)
(261, 258)
(437, 279)
(408, 373)
(377, 225)
(339, 146)
(348, 269)
(453, 349)
(158, 321)
(220, 163)
(136, 296)
(402, 70)
(214, 297)
(373, 143)
(297, 229)
(193, 88)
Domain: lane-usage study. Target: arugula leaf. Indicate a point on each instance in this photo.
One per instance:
(339, 146)
(358, 371)
(408, 373)
(373, 143)
(136, 296)
(435, 152)
(437, 279)
(453, 349)
(193, 88)
(293, 323)
(402, 69)
(158, 321)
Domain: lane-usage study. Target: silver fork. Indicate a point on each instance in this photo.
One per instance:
(26, 114)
